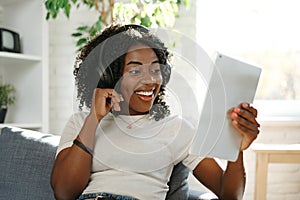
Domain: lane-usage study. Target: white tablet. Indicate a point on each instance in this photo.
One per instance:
(231, 83)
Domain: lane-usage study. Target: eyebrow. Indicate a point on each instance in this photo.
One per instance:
(139, 63)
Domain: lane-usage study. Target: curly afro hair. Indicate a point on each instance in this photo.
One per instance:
(101, 61)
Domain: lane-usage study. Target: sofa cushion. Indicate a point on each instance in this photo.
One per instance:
(27, 159)
(178, 185)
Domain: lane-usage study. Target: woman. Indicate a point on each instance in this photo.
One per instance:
(126, 145)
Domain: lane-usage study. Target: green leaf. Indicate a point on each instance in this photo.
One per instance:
(81, 41)
(98, 24)
(67, 9)
(76, 34)
(82, 28)
(7, 96)
(47, 16)
(146, 21)
(51, 9)
(92, 31)
(60, 3)
(187, 3)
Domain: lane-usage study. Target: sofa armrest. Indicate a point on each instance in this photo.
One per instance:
(27, 159)
(179, 188)
(178, 184)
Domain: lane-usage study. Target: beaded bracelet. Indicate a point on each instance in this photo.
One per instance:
(83, 147)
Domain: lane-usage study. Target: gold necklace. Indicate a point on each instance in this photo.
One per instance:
(129, 126)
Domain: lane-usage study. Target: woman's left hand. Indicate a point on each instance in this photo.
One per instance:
(244, 120)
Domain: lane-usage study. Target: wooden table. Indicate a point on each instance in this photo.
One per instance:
(271, 153)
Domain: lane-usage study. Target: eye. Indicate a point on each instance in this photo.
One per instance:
(134, 71)
(156, 71)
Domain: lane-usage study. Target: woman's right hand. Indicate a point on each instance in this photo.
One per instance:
(103, 100)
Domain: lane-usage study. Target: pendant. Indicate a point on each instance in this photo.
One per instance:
(129, 126)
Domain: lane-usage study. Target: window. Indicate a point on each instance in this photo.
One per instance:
(264, 32)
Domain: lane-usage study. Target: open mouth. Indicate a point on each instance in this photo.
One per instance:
(146, 95)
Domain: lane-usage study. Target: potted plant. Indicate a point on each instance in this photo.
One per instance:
(150, 13)
(7, 97)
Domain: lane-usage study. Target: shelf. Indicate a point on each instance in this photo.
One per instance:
(17, 59)
(31, 126)
(19, 56)
(27, 71)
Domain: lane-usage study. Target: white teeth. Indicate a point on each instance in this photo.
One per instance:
(145, 93)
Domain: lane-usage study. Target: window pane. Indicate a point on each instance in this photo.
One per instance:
(264, 32)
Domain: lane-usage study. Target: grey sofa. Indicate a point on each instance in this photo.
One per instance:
(26, 162)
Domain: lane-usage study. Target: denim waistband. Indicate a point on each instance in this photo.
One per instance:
(104, 194)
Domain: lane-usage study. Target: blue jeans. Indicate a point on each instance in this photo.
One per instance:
(103, 194)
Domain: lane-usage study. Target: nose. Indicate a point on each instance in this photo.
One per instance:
(148, 78)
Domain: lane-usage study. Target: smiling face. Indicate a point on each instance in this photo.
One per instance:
(141, 80)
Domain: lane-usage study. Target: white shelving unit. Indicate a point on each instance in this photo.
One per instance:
(27, 71)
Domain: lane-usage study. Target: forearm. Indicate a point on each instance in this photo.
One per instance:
(71, 171)
(70, 175)
(233, 180)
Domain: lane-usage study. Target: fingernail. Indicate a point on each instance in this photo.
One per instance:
(237, 110)
(234, 115)
(245, 105)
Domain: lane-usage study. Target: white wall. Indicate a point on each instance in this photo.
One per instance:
(61, 60)
(283, 180)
